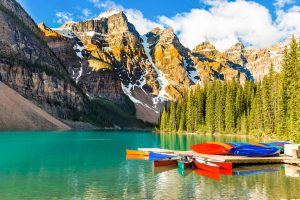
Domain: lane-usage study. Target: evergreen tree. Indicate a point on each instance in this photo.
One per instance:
(293, 89)
(173, 122)
(239, 106)
(258, 111)
(210, 108)
(230, 108)
(219, 107)
(163, 120)
(189, 113)
(269, 107)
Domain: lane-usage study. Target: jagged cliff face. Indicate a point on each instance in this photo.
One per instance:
(108, 58)
(114, 53)
(65, 49)
(30, 67)
(258, 61)
(119, 61)
(114, 41)
(213, 64)
(171, 61)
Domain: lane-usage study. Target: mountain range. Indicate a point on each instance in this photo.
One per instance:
(63, 70)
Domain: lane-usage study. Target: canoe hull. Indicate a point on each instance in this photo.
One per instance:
(203, 166)
(136, 157)
(255, 151)
(161, 163)
(156, 156)
(137, 153)
(211, 175)
(185, 165)
(212, 149)
(224, 165)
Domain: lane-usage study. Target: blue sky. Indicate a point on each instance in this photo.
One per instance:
(257, 23)
(45, 11)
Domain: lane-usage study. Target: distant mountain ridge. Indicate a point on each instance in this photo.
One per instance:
(64, 69)
(156, 67)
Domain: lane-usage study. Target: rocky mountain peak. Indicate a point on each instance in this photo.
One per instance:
(47, 31)
(167, 35)
(108, 14)
(107, 57)
(155, 31)
(236, 48)
(68, 24)
(239, 45)
(163, 36)
(204, 46)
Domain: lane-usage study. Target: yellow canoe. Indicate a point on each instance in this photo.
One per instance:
(136, 157)
(137, 153)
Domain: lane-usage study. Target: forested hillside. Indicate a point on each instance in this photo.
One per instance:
(268, 108)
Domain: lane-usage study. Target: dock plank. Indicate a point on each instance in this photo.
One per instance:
(230, 158)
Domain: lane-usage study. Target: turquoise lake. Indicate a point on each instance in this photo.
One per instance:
(93, 165)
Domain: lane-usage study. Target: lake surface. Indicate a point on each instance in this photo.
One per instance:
(92, 165)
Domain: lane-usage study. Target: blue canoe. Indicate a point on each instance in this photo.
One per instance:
(280, 143)
(280, 148)
(157, 156)
(236, 144)
(254, 151)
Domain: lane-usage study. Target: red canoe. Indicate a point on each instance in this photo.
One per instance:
(211, 148)
(211, 175)
(227, 172)
(167, 162)
(223, 165)
(207, 166)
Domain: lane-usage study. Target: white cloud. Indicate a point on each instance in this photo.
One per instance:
(281, 3)
(212, 2)
(63, 17)
(288, 22)
(86, 12)
(224, 24)
(106, 4)
(142, 24)
(134, 16)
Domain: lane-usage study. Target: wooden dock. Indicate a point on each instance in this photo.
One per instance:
(237, 160)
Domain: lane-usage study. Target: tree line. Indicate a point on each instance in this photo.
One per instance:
(269, 108)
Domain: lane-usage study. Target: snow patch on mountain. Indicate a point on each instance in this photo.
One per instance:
(162, 80)
(65, 32)
(80, 72)
(78, 50)
(128, 92)
(107, 14)
(192, 74)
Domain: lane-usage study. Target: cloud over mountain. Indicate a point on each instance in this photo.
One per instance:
(222, 22)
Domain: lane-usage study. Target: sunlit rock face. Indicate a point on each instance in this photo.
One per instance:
(258, 61)
(108, 58)
(29, 66)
